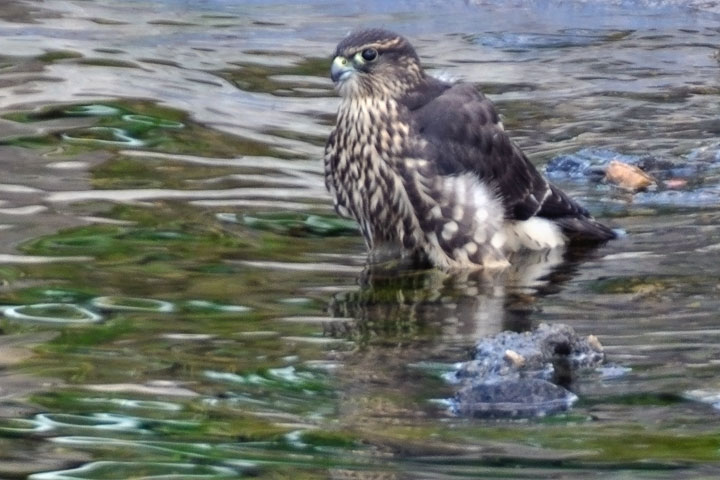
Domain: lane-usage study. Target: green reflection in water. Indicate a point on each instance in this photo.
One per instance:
(102, 135)
(139, 471)
(142, 243)
(132, 304)
(93, 110)
(58, 55)
(135, 404)
(152, 121)
(204, 305)
(253, 396)
(221, 379)
(295, 224)
(129, 124)
(51, 313)
(252, 77)
(124, 172)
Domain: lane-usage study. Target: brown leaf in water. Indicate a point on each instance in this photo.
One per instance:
(627, 176)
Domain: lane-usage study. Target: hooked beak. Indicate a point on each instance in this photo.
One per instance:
(341, 69)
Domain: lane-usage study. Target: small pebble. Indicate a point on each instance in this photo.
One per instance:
(594, 343)
(514, 358)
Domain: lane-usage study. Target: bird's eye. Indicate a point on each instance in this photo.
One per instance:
(369, 54)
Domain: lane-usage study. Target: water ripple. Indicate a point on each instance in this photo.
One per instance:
(132, 304)
(135, 195)
(96, 421)
(66, 313)
(182, 147)
(138, 471)
(302, 267)
(37, 259)
(135, 403)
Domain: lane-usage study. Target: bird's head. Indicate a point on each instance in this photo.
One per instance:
(375, 62)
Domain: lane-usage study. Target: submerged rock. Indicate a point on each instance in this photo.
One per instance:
(524, 374)
(530, 397)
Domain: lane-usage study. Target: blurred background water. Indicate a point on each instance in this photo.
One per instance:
(179, 300)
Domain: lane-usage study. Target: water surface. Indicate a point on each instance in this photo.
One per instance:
(180, 301)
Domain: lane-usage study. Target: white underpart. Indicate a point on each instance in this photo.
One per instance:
(486, 205)
(469, 201)
(535, 233)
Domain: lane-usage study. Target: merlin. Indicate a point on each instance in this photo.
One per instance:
(427, 170)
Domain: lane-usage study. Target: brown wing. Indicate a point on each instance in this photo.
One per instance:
(464, 134)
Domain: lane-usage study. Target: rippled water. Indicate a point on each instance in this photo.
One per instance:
(179, 301)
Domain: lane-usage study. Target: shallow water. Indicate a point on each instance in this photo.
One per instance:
(179, 300)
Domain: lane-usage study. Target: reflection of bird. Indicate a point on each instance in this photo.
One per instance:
(426, 169)
(394, 303)
(401, 319)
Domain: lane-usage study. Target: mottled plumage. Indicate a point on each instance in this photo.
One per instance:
(427, 170)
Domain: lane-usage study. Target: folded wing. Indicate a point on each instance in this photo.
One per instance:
(464, 134)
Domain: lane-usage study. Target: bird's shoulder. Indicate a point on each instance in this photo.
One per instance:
(436, 103)
(461, 123)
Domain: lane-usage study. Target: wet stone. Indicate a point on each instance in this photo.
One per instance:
(525, 374)
(515, 398)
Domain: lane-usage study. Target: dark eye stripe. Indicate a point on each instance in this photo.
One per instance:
(369, 54)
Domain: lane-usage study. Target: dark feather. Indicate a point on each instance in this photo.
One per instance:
(464, 134)
(359, 38)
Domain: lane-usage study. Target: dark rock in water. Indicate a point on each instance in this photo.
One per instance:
(524, 374)
(530, 397)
